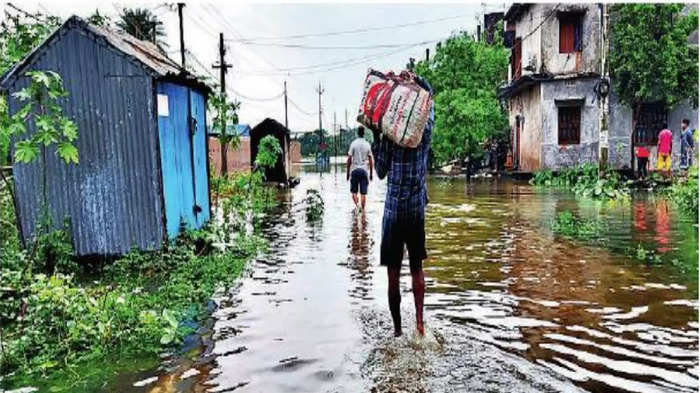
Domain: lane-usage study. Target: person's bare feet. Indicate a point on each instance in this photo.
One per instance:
(420, 328)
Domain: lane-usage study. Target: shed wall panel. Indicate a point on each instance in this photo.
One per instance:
(112, 197)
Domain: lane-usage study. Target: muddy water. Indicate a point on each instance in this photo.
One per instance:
(510, 307)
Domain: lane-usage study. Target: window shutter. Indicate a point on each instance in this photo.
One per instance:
(566, 35)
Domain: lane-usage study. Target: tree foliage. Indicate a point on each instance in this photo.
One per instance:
(465, 75)
(225, 112)
(142, 24)
(651, 57)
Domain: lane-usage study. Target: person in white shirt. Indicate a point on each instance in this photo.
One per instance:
(359, 167)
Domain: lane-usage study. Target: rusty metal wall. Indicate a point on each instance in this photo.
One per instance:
(113, 197)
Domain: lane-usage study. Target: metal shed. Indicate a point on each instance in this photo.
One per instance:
(141, 139)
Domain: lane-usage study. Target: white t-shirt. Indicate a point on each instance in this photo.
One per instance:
(360, 150)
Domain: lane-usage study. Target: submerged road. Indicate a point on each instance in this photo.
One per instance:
(509, 306)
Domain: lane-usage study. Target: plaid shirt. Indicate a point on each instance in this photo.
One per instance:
(405, 170)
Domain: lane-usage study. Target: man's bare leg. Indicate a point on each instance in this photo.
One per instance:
(418, 279)
(364, 200)
(395, 298)
(354, 199)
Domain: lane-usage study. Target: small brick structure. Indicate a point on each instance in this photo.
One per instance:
(295, 151)
(238, 158)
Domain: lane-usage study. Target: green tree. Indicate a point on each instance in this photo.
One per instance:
(142, 24)
(651, 58)
(19, 34)
(225, 113)
(98, 19)
(465, 75)
(41, 108)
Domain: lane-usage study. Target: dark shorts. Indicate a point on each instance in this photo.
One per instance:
(412, 235)
(358, 178)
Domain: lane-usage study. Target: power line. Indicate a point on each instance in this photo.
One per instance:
(353, 31)
(340, 47)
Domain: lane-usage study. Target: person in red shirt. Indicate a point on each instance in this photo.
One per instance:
(664, 148)
(642, 161)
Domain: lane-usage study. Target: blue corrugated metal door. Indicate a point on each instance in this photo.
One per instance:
(176, 156)
(199, 152)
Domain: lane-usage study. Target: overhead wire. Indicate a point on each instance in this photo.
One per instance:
(352, 31)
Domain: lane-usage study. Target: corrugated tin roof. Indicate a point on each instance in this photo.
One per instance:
(238, 129)
(145, 53)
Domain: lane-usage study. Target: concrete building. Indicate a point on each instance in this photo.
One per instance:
(562, 108)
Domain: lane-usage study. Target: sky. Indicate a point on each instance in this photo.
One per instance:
(263, 52)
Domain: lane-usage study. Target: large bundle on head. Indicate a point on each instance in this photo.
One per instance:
(395, 105)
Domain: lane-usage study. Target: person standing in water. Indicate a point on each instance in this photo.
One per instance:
(359, 167)
(404, 214)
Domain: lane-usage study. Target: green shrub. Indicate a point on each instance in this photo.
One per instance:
(585, 180)
(138, 303)
(314, 205)
(684, 192)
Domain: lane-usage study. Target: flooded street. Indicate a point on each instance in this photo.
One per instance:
(510, 307)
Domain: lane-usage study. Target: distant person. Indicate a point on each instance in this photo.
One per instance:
(687, 142)
(642, 161)
(664, 148)
(404, 214)
(359, 167)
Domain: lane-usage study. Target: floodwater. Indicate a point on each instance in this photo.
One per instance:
(510, 307)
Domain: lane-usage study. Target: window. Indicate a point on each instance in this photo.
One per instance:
(570, 32)
(569, 124)
(652, 117)
(515, 56)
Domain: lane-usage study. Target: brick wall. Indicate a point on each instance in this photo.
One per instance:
(295, 151)
(238, 159)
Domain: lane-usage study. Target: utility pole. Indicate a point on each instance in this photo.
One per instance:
(222, 66)
(286, 122)
(223, 69)
(182, 35)
(427, 55)
(346, 119)
(335, 134)
(320, 91)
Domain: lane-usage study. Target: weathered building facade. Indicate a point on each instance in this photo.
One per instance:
(551, 96)
(562, 108)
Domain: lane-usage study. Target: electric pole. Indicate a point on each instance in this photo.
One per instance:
(320, 91)
(223, 68)
(182, 35)
(427, 55)
(346, 119)
(222, 65)
(335, 135)
(286, 122)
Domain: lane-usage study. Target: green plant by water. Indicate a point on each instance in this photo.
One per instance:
(569, 225)
(585, 180)
(57, 315)
(314, 205)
